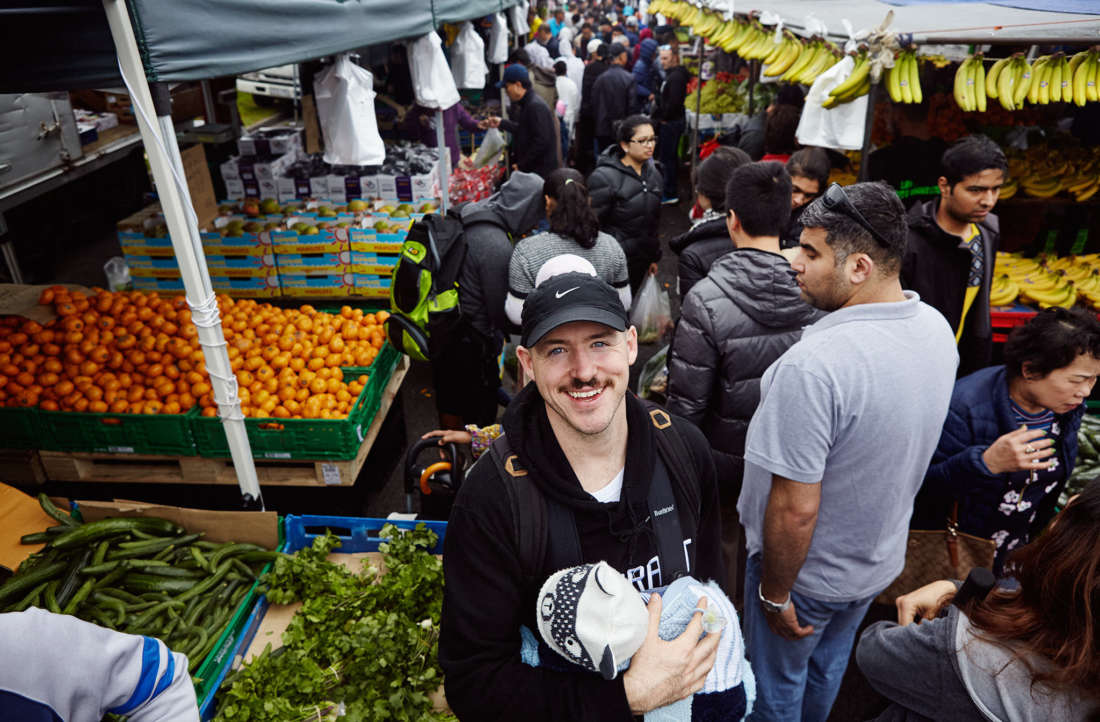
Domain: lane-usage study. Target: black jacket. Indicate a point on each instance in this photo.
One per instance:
(699, 248)
(592, 71)
(534, 132)
(670, 103)
(613, 96)
(487, 598)
(627, 204)
(491, 227)
(936, 266)
(733, 325)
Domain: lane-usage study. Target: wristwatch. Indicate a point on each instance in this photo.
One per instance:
(770, 606)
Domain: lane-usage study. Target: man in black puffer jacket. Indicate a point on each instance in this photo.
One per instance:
(734, 323)
(625, 190)
(612, 95)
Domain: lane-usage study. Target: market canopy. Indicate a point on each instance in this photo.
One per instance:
(66, 44)
(1039, 22)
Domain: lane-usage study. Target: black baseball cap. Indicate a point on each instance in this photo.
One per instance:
(570, 297)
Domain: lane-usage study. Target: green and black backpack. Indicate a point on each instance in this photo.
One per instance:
(424, 291)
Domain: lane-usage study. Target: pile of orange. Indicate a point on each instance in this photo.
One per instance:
(135, 352)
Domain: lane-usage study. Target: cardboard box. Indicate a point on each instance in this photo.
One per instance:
(164, 285)
(267, 168)
(19, 514)
(381, 264)
(314, 263)
(259, 287)
(337, 188)
(251, 527)
(278, 140)
(292, 189)
(387, 186)
(234, 189)
(254, 265)
(334, 284)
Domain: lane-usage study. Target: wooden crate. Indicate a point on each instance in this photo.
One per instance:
(21, 466)
(136, 468)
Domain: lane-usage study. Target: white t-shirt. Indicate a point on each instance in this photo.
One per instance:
(612, 490)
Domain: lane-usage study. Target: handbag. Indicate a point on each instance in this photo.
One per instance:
(939, 554)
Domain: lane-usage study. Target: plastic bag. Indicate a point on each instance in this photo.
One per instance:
(490, 149)
(653, 381)
(468, 58)
(498, 40)
(345, 106)
(519, 20)
(433, 83)
(652, 312)
(839, 127)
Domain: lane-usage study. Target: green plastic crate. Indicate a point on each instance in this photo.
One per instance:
(158, 434)
(306, 438)
(19, 428)
(208, 677)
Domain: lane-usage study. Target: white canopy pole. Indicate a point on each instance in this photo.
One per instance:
(444, 164)
(178, 214)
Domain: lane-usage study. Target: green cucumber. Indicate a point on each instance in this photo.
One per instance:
(23, 581)
(97, 530)
(53, 511)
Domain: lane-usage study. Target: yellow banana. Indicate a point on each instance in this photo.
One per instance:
(1006, 83)
(1059, 64)
(1035, 89)
(992, 75)
(1023, 84)
(903, 78)
(914, 79)
(860, 70)
(1081, 76)
(979, 84)
(964, 76)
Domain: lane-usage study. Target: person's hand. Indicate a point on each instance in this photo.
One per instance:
(663, 672)
(483, 124)
(492, 121)
(652, 269)
(924, 603)
(450, 436)
(425, 120)
(785, 623)
(651, 97)
(1021, 450)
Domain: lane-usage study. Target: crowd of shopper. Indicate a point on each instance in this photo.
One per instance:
(829, 389)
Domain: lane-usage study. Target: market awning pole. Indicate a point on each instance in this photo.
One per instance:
(868, 122)
(698, 106)
(444, 163)
(175, 203)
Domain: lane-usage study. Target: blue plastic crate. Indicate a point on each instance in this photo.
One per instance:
(357, 534)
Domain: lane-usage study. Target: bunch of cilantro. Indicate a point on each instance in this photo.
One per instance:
(362, 647)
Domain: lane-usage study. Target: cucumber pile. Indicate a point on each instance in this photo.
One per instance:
(1088, 458)
(137, 575)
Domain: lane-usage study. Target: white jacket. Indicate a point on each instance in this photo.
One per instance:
(57, 666)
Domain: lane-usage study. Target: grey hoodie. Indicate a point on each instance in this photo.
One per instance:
(491, 228)
(733, 324)
(941, 670)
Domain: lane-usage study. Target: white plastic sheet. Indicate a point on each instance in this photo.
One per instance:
(518, 13)
(468, 58)
(433, 83)
(839, 127)
(345, 106)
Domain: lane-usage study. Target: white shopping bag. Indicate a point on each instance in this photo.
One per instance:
(839, 127)
(519, 21)
(345, 106)
(433, 83)
(468, 58)
(490, 149)
(498, 40)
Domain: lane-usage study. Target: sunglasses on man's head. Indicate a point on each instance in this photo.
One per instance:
(835, 199)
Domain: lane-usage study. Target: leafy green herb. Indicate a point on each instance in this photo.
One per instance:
(363, 646)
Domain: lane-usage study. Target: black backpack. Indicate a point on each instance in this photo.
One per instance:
(424, 307)
(537, 519)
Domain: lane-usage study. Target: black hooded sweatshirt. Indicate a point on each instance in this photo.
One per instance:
(487, 598)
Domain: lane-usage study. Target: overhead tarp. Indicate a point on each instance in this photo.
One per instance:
(1086, 7)
(66, 44)
(939, 22)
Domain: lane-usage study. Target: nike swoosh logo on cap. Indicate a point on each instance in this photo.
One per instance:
(559, 294)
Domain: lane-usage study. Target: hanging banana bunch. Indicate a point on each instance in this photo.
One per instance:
(970, 80)
(784, 56)
(903, 80)
(856, 84)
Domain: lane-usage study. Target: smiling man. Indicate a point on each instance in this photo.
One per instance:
(847, 422)
(953, 244)
(584, 472)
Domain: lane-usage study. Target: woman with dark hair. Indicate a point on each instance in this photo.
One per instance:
(574, 231)
(779, 135)
(809, 170)
(626, 192)
(1010, 439)
(1026, 652)
(708, 239)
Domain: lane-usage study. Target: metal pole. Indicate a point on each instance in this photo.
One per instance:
(444, 162)
(208, 101)
(7, 248)
(868, 121)
(698, 105)
(175, 200)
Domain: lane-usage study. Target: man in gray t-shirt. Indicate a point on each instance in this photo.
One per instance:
(836, 451)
